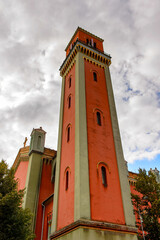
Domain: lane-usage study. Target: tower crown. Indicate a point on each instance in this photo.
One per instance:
(89, 44)
(87, 38)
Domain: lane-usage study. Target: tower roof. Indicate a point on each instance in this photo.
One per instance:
(83, 30)
(38, 129)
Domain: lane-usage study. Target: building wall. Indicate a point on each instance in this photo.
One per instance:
(106, 204)
(46, 190)
(66, 196)
(47, 219)
(21, 174)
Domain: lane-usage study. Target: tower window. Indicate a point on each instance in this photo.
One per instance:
(68, 133)
(87, 41)
(67, 180)
(92, 44)
(95, 45)
(99, 119)
(31, 143)
(95, 76)
(104, 177)
(70, 80)
(39, 142)
(54, 174)
(69, 101)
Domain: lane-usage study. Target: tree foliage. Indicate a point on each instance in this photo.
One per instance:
(15, 222)
(147, 205)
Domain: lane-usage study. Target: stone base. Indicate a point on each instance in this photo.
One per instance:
(93, 230)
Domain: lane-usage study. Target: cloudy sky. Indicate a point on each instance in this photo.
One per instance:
(33, 36)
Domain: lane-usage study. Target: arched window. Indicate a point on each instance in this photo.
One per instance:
(68, 133)
(70, 81)
(67, 180)
(104, 176)
(69, 101)
(99, 119)
(39, 142)
(31, 143)
(95, 76)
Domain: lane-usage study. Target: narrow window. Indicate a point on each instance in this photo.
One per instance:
(69, 82)
(68, 134)
(92, 44)
(71, 46)
(95, 45)
(39, 142)
(31, 143)
(99, 119)
(95, 76)
(87, 41)
(54, 174)
(104, 177)
(67, 180)
(69, 101)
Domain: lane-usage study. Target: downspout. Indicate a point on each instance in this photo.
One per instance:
(43, 215)
(43, 206)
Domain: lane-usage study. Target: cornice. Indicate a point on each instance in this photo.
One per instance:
(93, 53)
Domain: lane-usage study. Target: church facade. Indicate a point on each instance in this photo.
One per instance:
(81, 191)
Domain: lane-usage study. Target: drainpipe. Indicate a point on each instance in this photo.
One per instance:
(43, 206)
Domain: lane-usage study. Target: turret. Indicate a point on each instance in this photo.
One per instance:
(37, 141)
(34, 171)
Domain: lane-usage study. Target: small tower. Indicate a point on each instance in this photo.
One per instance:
(34, 171)
(92, 196)
(37, 141)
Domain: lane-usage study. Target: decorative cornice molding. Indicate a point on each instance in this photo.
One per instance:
(101, 59)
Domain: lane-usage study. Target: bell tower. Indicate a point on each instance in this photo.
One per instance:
(92, 195)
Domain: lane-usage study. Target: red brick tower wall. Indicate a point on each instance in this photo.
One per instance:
(106, 204)
(66, 196)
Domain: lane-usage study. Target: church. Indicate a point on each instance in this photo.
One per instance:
(82, 190)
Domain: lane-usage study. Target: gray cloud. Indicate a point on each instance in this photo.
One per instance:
(33, 37)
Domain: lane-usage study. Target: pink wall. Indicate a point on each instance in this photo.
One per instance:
(21, 174)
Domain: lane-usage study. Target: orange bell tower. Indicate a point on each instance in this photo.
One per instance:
(92, 195)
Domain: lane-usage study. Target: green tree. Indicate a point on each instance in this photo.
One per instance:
(15, 221)
(147, 205)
